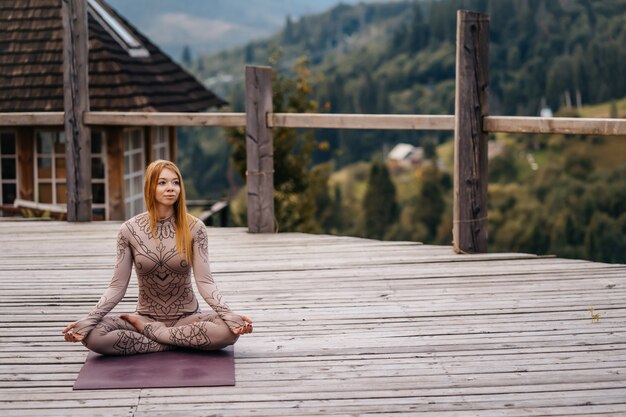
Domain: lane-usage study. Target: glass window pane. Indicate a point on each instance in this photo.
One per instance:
(97, 138)
(8, 169)
(60, 168)
(98, 193)
(45, 193)
(98, 213)
(9, 191)
(137, 165)
(128, 213)
(137, 139)
(126, 188)
(97, 168)
(137, 185)
(61, 194)
(44, 142)
(7, 144)
(44, 167)
(59, 145)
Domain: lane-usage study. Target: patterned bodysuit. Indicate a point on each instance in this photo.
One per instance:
(166, 300)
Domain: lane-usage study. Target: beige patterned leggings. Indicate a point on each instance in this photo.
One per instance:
(115, 336)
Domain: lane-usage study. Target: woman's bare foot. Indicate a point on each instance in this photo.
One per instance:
(136, 321)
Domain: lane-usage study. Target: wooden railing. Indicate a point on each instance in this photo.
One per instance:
(471, 124)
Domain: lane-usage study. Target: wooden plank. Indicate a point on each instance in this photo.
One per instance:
(32, 119)
(551, 125)
(164, 119)
(75, 104)
(362, 121)
(342, 328)
(259, 150)
(469, 230)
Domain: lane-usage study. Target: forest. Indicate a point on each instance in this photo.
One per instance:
(548, 194)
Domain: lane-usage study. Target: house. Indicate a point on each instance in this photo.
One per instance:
(405, 156)
(126, 73)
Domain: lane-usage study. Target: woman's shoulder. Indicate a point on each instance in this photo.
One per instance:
(141, 220)
(193, 222)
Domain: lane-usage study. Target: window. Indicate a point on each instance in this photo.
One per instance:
(50, 184)
(133, 171)
(98, 175)
(160, 143)
(116, 29)
(50, 170)
(8, 168)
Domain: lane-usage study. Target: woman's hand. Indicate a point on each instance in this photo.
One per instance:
(246, 328)
(70, 336)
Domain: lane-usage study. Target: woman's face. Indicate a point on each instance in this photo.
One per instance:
(168, 188)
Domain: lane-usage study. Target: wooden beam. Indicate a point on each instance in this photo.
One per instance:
(25, 143)
(173, 143)
(115, 172)
(148, 143)
(165, 119)
(259, 150)
(32, 119)
(565, 125)
(362, 121)
(76, 103)
(469, 230)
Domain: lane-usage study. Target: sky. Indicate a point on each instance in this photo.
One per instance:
(210, 25)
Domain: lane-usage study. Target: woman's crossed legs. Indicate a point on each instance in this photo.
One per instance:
(129, 334)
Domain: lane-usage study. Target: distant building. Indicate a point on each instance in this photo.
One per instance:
(126, 73)
(404, 156)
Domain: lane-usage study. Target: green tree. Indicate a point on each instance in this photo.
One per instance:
(380, 207)
(296, 186)
(430, 205)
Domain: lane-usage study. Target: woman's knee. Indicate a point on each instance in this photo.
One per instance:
(99, 344)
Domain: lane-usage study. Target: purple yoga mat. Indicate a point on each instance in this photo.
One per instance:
(175, 368)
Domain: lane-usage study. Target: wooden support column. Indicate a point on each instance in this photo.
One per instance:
(76, 103)
(259, 150)
(469, 229)
(25, 143)
(148, 143)
(115, 172)
(173, 142)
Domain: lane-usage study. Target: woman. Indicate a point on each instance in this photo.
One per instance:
(164, 244)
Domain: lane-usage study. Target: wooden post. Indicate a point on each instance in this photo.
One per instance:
(173, 142)
(115, 172)
(26, 160)
(76, 103)
(259, 150)
(469, 229)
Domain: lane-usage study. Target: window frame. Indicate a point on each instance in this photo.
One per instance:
(160, 143)
(133, 199)
(4, 156)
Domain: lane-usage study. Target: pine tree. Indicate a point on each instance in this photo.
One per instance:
(379, 204)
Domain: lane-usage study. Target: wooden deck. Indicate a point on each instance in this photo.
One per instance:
(343, 327)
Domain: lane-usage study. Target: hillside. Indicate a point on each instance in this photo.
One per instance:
(399, 57)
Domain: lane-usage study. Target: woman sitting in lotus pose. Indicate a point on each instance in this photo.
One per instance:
(164, 244)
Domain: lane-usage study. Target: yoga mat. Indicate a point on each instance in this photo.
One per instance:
(174, 368)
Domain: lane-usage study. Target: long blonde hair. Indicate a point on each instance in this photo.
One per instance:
(183, 235)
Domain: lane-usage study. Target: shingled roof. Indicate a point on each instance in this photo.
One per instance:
(31, 65)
